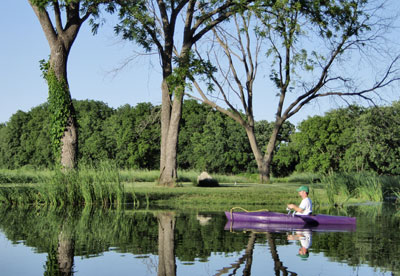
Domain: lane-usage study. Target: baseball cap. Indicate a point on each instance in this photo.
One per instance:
(303, 188)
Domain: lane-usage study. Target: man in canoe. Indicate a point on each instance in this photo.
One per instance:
(305, 207)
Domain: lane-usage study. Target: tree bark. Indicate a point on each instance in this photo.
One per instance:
(263, 171)
(269, 154)
(264, 162)
(69, 140)
(165, 119)
(170, 119)
(168, 170)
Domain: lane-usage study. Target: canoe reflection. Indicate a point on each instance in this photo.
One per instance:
(276, 227)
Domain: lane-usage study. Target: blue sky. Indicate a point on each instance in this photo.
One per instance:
(90, 66)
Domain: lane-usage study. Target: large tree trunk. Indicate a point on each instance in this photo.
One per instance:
(69, 139)
(165, 120)
(170, 118)
(269, 154)
(168, 169)
(264, 162)
(261, 164)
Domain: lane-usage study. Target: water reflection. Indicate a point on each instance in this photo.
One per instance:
(247, 259)
(278, 265)
(166, 244)
(173, 243)
(305, 239)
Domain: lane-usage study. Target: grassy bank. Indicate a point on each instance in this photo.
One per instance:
(105, 186)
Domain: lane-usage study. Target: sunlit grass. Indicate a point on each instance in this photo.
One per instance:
(24, 175)
(252, 196)
(341, 187)
(106, 185)
(133, 176)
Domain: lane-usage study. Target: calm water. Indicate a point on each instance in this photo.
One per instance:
(97, 242)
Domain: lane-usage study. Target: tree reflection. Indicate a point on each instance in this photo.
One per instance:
(278, 265)
(65, 252)
(60, 260)
(166, 246)
(246, 258)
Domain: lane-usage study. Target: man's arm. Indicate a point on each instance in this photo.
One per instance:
(296, 208)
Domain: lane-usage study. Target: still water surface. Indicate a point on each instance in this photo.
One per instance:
(98, 242)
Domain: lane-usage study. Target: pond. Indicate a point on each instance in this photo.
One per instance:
(36, 241)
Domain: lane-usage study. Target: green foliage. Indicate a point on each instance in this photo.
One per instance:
(323, 141)
(345, 140)
(128, 135)
(207, 137)
(133, 136)
(194, 117)
(378, 140)
(350, 139)
(285, 160)
(93, 143)
(222, 146)
(187, 67)
(135, 24)
(25, 140)
(60, 106)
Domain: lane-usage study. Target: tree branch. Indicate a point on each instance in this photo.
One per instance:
(45, 22)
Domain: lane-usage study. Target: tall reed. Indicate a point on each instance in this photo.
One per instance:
(88, 185)
(367, 186)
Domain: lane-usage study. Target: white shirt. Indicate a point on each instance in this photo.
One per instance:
(306, 205)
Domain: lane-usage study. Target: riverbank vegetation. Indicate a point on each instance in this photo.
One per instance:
(107, 186)
(347, 155)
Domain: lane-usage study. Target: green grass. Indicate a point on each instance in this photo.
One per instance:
(344, 187)
(105, 185)
(132, 176)
(250, 196)
(24, 175)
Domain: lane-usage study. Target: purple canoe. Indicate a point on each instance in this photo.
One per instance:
(273, 217)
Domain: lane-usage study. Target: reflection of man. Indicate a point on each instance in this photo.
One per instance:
(305, 239)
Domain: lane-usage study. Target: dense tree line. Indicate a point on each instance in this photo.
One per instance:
(130, 137)
(348, 139)
(351, 139)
